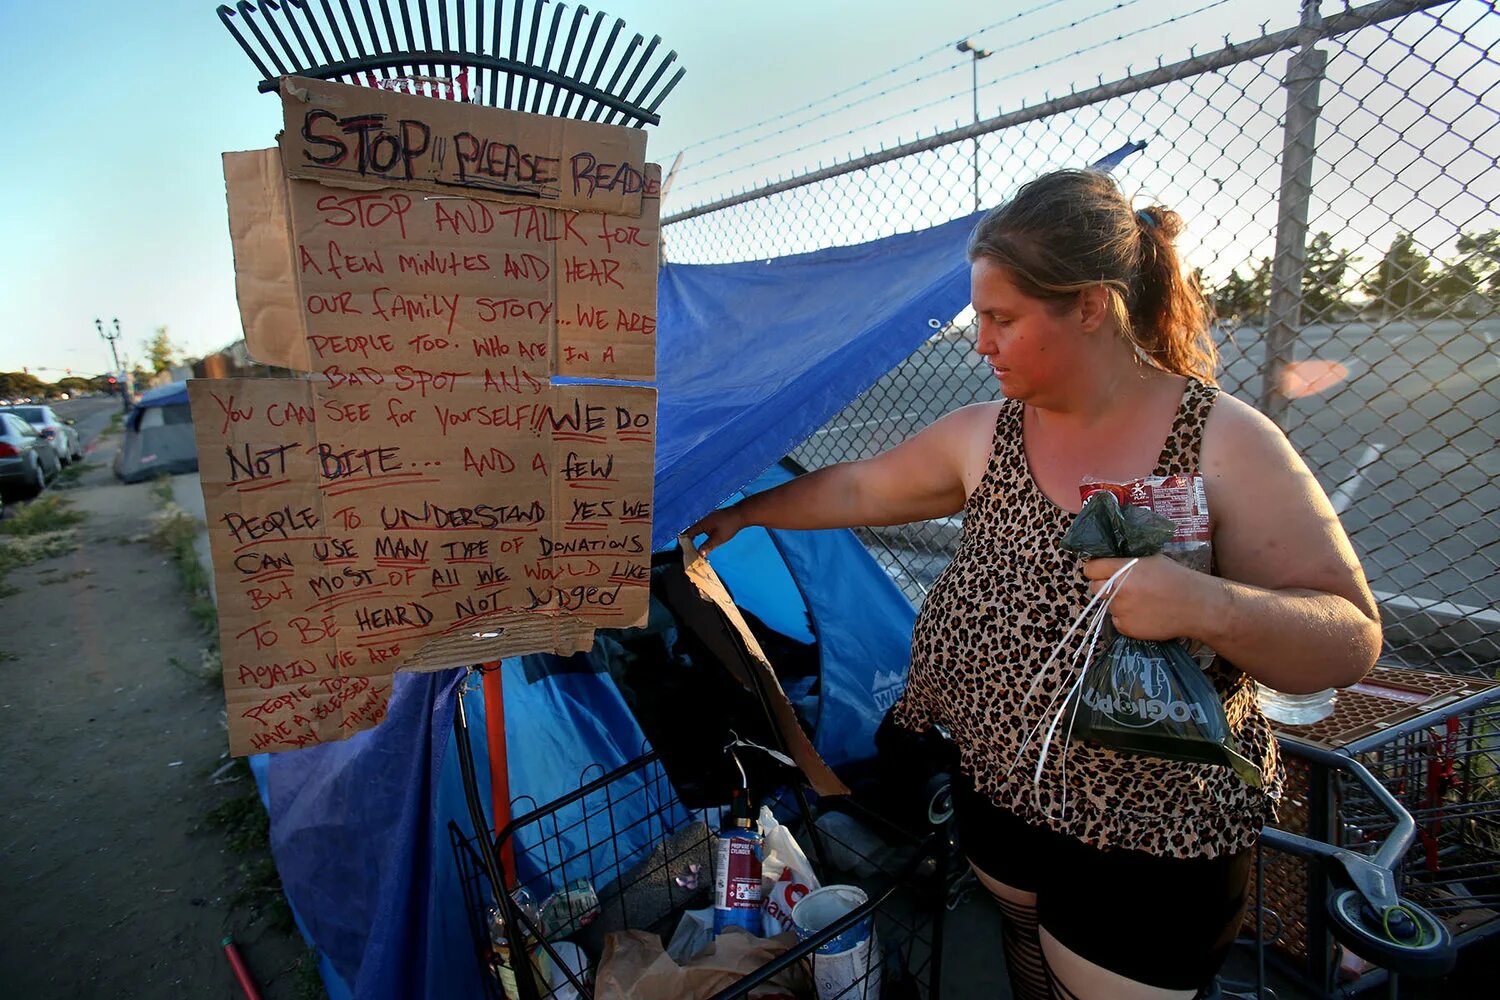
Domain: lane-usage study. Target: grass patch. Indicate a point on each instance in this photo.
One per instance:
(208, 670)
(175, 531)
(116, 424)
(247, 831)
(69, 477)
(39, 530)
(8, 657)
(50, 513)
(309, 981)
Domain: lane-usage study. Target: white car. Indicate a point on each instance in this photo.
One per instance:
(61, 433)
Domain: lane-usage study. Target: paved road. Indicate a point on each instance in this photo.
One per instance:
(1406, 444)
(92, 415)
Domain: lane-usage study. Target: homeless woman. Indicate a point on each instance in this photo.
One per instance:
(1135, 886)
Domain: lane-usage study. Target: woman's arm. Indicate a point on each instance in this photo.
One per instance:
(925, 476)
(1291, 606)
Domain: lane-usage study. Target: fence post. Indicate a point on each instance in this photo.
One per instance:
(1304, 75)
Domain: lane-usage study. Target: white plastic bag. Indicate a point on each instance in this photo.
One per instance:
(785, 875)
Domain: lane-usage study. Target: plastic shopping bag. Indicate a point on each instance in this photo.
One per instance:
(1132, 695)
(1139, 696)
(786, 875)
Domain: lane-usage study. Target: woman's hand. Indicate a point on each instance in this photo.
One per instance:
(720, 527)
(1158, 599)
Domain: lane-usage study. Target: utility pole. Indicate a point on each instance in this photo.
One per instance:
(119, 372)
(978, 54)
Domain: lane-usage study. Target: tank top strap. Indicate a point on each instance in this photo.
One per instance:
(1180, 454)
(1007, 451)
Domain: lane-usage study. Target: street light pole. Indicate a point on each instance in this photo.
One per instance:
(978, 54)
(119, 372)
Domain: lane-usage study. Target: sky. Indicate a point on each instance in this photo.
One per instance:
(120, 113)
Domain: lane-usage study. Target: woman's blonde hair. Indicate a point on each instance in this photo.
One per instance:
(1072, 229)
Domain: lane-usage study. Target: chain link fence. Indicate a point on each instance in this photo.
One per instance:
(1339, 183)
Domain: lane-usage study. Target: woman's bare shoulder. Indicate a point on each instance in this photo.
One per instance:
(1237, 433)
(970, 436)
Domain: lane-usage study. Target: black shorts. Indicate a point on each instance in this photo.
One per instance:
(1165, 922)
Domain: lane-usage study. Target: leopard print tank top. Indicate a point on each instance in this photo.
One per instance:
(992, 619)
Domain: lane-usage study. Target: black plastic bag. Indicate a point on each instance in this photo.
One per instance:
(1138, 696)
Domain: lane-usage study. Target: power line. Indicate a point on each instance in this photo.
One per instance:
(780, 116)
(949, 97)
(954, 67)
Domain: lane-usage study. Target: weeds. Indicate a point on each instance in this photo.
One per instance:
(37, 531)
(175, 531)
(309, 980)
(116, 424)
(69, 478)
(247, 829)
(50, 513)
(207, 671)
(8, 657)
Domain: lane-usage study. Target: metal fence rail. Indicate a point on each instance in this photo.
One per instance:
(1339, 182)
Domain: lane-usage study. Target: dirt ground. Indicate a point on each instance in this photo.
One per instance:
(112, 880)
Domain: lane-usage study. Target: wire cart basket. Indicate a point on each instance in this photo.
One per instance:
(653, 858)
(1433, 742)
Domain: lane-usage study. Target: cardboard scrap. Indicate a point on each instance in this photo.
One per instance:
(265, 280)
(357, 530)
(334, 280)
(366, 137)
(703, 605)
(635, 966)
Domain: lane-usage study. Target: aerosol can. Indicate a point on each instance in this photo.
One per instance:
(737, 864)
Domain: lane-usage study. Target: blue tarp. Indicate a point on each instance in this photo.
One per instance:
(171, 394)
(753, 358)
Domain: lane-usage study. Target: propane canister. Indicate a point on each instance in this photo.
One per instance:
(737, 872)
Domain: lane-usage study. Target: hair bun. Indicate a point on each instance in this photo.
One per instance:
(1168, 222)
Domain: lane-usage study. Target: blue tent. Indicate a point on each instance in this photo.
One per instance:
(753, 358)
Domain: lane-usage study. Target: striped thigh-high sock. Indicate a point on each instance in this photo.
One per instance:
(1029, 976)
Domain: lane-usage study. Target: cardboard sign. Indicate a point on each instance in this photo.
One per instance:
(364, 137)
(360, 529)
(339, 281)
(427, 498)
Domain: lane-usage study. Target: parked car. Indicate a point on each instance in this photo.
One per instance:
(27, 460)
(62, 433)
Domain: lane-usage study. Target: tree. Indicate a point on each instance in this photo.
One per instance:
(161, 353)
(1402, 283)
(1454, 284)
(1241, 298)
(1323, 279)
(73, 385)
(17, 384)
(1481, 252)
